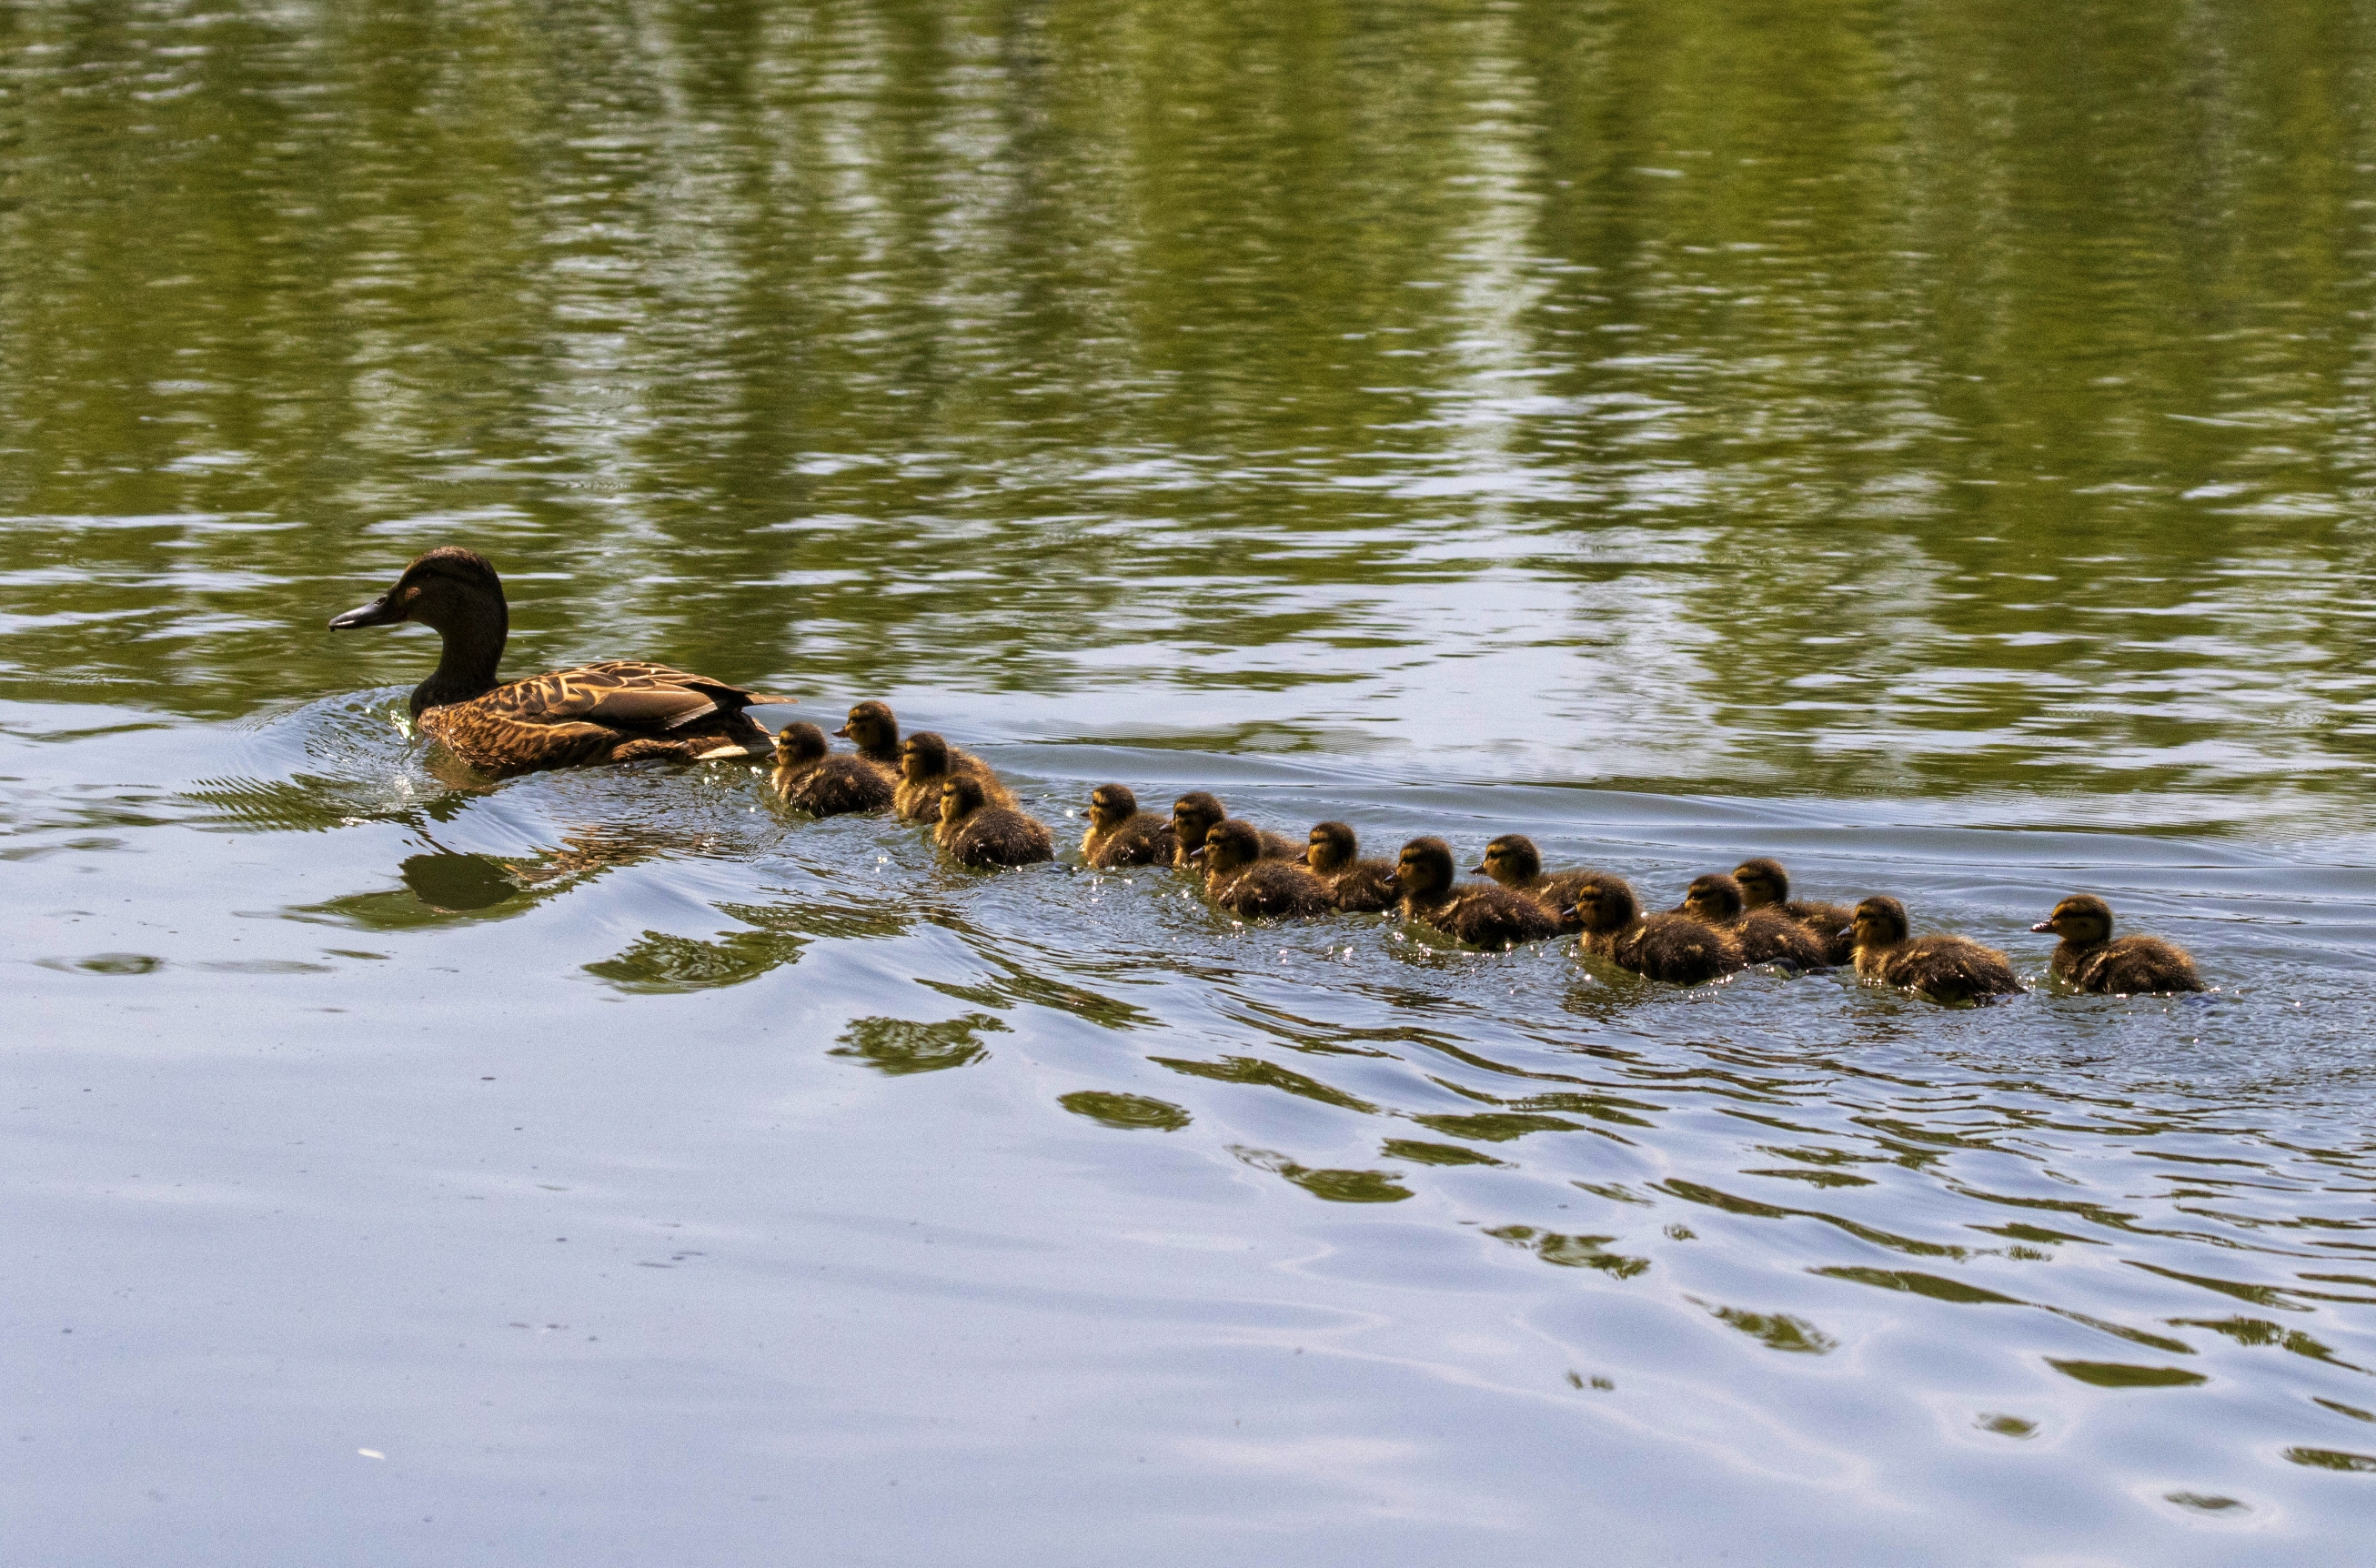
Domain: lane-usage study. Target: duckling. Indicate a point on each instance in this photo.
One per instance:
(1674, 948)
(1944, 969)
(1515, 862)
(926, 762)
(979, 832)
(1483, 914)
(620, 711)
(2089, 959)
(1193, 817)
(1240, 879)
(1356, 884)
(875, 733)
(1122, 834)
(813, 780)
(1767, 936)
(1764, 884)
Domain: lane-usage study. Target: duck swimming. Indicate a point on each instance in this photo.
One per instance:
(619, 711)
(1674, 948)
(1193, 817)
(1767, 936)
(980, 833)
(873, 731)
(1944, 969)
(1240, 879)
(1122, 834)
(1764, 884)
(1515, 862)
(1356, 884)
(926, 762)
(814, 780)
(1482, 914)
(2090, 959)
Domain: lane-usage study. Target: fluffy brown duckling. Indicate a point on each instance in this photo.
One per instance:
(1767, 936)
(926, 762)
(1944, 969)
(620, 711)
(1193, 817)
(980, 832)
(814, 780)
(1240, 878)
(1122, 834)
(2089, 959)
(1766, 886)
(1480, 913)
(1674, 948)
(1360, 885)
(874, 731)
(1515, 862)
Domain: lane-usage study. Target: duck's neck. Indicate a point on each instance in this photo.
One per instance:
(467, 667)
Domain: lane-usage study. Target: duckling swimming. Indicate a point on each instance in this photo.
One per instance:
(979, 832)
(1944, 969)
(1767, 936)
(926, 762)
(1240, 879)
(1515, 862)
(2090, 959)
(1193, 817)
(875, 734)
(1674, 948)
(1122, 834)
(620, 711)
(1764, 884)
(1356, 884)
(813, 780)
(1482, 914)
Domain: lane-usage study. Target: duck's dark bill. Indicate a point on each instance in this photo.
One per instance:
(378, 612)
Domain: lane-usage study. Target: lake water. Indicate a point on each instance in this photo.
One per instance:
(1931, 444)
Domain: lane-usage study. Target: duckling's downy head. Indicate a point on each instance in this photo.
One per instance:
(1512, 860)
(1333, 847)
(2083, 920)
(1879, 923)
(1230, 846)
(923, 755)
(800, 741)
(961, 796)
(1111, 805)
(871, 726)
(1194, 815)
(1762, 881)
(1715, 898)
(1423, 870)
(1605, 904)
(449, 588)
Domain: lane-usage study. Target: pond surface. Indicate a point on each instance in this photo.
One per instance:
(1932, 444)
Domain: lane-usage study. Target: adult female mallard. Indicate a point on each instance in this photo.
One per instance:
(622, 711)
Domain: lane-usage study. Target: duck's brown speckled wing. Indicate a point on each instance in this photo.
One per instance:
(613, 712)
(625, 694)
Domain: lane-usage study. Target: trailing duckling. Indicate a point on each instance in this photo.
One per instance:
(619, 711)
(875, 733)
(979, 832)
(2090, 959)
(1674, 948)
(1122, 834)
(1356, 884)
(926, 762)
(814, 780)
(1240, 879)
(1482, 914)
(1767, 936)
(1515, 862)
(1764, 884)
(1193, 815)
(1944, 969)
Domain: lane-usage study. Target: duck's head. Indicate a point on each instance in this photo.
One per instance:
(1193, 817)
(923, 755)
(1879, 923)
(1332, 849)
(2082, 920)
(799, 743)
(1111, 805)
(1762, 881)
(1714, 898)
(1423, 871)
(1512, 860)
(1606, 903)
(961, 796)
(1229, 846)
(449, 588)
(871, 726)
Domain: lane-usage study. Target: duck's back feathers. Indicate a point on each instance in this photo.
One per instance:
(615, 712)
(836, 787)
(1946, 968)
(988, 835)
(1362, 887)
(1770, 936)
(1273, 888)
(1827, 923)
(1485, 915)
(1143, 839)
(1677, 949)
(2128, 965)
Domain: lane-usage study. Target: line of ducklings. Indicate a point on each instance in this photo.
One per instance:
(1726, 923)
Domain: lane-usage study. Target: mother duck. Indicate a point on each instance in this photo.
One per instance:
(623, 711)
